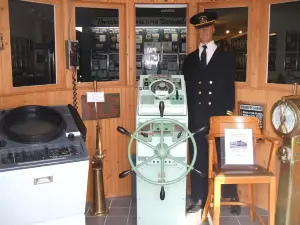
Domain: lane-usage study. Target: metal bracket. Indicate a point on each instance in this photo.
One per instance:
(1, 42)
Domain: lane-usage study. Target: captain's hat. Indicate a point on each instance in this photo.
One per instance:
(203, 19)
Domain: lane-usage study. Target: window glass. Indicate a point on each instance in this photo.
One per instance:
(160, 40)
(284, 43)
(97, 31)
(231, 34)
(33, 53)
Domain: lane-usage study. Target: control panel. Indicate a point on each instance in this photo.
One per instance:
(156, 130)
(21, 155)
(67, 146)
(155, 88)
(147, 80)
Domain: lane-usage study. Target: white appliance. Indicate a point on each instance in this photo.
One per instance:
(44, 183)
(49, 194)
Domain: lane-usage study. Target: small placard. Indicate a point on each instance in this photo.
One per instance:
(239, 147)
(251, 109)
(95, 97)
(108, 109)
(162, 93)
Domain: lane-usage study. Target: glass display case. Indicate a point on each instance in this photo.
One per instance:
(160, 42)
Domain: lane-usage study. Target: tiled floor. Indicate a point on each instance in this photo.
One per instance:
(122, 211)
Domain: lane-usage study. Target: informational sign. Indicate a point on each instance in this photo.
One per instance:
(114, 66)
(99, 66)
(139, 40)
(100, 42)
(181, 61)
(169, 64)
(239, 147)
(141, 21)
(250, 109)
(95, 97)
(110, 108)
(113, 35)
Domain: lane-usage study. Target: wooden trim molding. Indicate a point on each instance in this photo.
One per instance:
(7, 84)
(161, 1)
(2, 18)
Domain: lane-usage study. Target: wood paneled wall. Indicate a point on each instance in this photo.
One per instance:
(114, 144)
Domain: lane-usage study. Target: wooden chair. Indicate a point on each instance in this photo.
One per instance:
(218, 176)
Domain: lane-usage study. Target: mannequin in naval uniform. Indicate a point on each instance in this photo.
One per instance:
(209, 74)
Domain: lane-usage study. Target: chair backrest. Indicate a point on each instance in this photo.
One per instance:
(219, 123)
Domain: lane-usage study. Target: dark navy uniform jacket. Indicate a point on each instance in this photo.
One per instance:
(210, 89)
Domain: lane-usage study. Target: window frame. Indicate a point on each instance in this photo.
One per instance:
(264, 47)
(191, 32)
(5, 55)
(121, 7)
(250, 70)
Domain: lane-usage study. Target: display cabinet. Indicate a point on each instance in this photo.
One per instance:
(160, 42)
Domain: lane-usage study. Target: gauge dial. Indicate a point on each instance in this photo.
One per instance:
(162, 88)
(283, 119)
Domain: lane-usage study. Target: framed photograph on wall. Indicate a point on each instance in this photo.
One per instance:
(253, 109)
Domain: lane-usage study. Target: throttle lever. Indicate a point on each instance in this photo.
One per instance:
(161, 108)
(177, 95)
(162, 194)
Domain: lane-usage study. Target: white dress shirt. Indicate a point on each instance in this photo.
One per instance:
(211, 48)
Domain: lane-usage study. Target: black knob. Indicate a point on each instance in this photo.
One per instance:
(2, 143)
(161, 108)
(177, 95)
(71, 137)
(162, 194)
(72, 150)
(179, 134)
(123, 131)
(125, 173)
(144, 134)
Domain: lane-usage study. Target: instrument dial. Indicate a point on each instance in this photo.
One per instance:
(283, 118)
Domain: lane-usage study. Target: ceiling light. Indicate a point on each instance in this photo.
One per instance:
(227, 32)
(240, 32)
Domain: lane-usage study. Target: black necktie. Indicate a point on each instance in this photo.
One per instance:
(203, 56)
